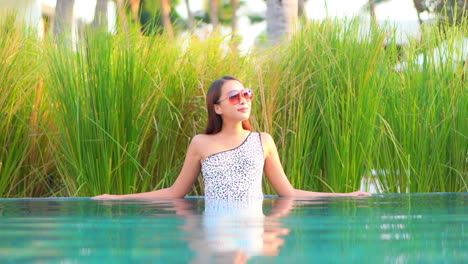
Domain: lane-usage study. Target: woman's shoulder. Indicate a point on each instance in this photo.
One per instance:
(267, 141)
(200, 139)
(266, 138)
(198, 144)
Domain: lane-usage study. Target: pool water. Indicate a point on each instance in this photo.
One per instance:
(390, 228)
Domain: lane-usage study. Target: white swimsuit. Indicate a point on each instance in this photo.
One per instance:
(233, 218)
(235, 174)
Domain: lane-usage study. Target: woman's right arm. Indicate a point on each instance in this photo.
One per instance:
(182, 185)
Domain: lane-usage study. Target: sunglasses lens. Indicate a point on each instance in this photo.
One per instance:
(234, 97)
(247, 94)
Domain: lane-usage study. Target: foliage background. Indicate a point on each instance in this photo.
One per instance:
(115, 113)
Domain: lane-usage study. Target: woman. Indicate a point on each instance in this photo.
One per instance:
(230, 156)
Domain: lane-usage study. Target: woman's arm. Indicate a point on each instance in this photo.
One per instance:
(278, 179)
(188, 175)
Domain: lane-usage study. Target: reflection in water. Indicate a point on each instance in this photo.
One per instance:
(381, 229)
(220, 231)
(233, 226)
(235, 231)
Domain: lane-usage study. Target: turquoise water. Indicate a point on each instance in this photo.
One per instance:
(418, 228)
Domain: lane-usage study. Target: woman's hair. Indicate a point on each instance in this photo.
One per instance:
(215, 122)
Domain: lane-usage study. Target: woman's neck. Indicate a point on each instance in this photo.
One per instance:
(233, 129)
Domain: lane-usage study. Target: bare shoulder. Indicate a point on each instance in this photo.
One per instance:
(199, 140)
(268, 143)
(267, 139)
(197, 146)
(202, 140)
(201, 146)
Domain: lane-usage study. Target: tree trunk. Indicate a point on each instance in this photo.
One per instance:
(372, 11)
(63, 17)
(234, 41)
(166, 10)
(191, 21)
(135, 5)
(418, 4)
(301, 11)
(100, 14)
(235, 7)
(214, 13)
(122, 14)
(281, 19)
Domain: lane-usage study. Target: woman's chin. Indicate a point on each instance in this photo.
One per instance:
(244, 117)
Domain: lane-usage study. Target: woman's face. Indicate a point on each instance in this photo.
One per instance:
(233, 107)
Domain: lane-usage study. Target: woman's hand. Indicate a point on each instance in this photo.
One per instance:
(106, 197)
(358, 193)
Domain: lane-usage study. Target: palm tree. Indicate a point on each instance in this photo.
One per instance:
(420, 6)
(281, 19)
(214, 13)
(166, 10)
(449, 12)
(122, 14)
(63, 17)
(135, 6)
(235, 6)
(191, 20)
(372, 11)
(370, 7)
(301, 11)
(100, 14)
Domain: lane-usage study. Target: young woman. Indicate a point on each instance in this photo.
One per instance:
(230, 156)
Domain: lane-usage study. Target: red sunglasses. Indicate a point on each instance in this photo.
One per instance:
(234, 96)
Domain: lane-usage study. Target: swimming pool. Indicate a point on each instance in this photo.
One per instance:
(390, 228)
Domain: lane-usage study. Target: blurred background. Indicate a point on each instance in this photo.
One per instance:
(245, 20)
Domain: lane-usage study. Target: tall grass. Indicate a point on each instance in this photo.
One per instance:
(95, 95)
(340, 110)
(349, 112)
(424, 121)
(115, 113)
(329, 95)
(127, 108)
(24, 162)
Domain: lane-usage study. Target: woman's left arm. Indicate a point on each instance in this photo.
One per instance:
(275, 174)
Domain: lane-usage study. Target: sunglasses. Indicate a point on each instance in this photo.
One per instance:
(234, 96)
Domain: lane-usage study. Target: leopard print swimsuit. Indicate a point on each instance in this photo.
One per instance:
(235, 174)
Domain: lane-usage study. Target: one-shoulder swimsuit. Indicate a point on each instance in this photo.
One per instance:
(235, 174)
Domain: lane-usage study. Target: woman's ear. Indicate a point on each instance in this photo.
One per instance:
(217, 109)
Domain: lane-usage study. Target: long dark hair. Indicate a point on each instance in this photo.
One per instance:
(215, 122)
